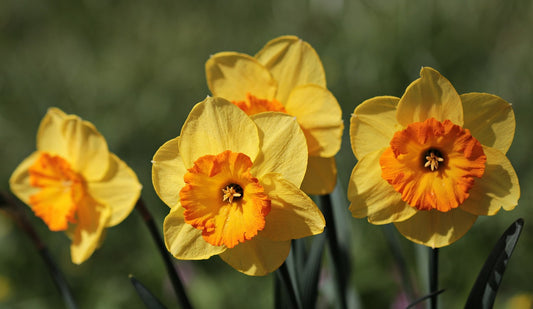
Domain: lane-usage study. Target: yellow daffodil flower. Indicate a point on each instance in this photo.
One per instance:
(432, 161)
(74, 184)
(286, 76)
(232, 183)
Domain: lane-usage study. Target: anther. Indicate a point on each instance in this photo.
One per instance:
(433, 158)
(230, 192)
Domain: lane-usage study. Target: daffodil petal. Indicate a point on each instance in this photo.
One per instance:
(436, 229)
(75, 140)
(119, 189)
(19, 182)
(373, 125)
(232, 75)
(292, 62)
(497, 188)
(168, 170)
(432, 95)
(320, 117)
(293, 214)
(320, 176)
(92, 220)
(216, 125)
(257, 257)
(490, 119)
(373, 197)
(184, 241)
(283, 147)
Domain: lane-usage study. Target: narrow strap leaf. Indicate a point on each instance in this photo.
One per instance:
(146, 296)
(488, 281)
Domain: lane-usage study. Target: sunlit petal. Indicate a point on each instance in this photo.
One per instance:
(168, 170)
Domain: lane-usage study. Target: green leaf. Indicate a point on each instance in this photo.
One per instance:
(488, 281)
(311, 273)
(146, 296)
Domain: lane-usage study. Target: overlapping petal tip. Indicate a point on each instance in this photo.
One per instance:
(168, 170)
(257, 257)
(76, 140)
(283, 147)
(119, 189)
(490, 119)
(432, 95)
(497, 188)
(373, 197)
(183, 241)
(232, 75)
(92, 220)
(292, 62)
(321, 175)
(216, 125)
(373, 124)
(436, 229)
(19, 182)
(320, 117)
(293, 214)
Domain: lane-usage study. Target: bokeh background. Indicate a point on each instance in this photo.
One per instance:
(136, 68)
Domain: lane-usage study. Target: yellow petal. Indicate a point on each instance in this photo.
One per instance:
(257, 257)
(232, 75)
(167, 172)
(215, 125)
(283, 147)
(75, 140)
(432, 95)
(436, 229)
(19, 182)
(320, 176)
(373, 197)
(498, 187)
(184, 241)
(320, 117)
(292, 214)
(292, 62)
(119, 190)
(373, 124)
(490, 119)
(92, 220)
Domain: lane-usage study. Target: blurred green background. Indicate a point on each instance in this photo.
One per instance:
(136, 68)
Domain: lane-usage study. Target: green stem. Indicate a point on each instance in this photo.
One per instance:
(336, 253)
(171, 268)
(284, 276)
(17, 214)
(433, 276)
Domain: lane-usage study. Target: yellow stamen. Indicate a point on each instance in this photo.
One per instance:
(432, 161)
(229, 194)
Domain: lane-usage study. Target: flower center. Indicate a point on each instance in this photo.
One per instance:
(230, 192)
(253, 105)
(433, 164)
(432, 159)
(61, 191)
(223, 199)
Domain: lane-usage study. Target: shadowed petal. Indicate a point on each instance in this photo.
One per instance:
(292, 62)
(373, 197)
(184, 241)
(232, 75)
(257, 257)
(320, 176)
(373, 124)
(490, 119)
(167, 172)
(436, 229)
(293, 214)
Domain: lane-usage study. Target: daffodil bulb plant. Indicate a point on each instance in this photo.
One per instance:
(74, 184)
(286, 76)
(232, 184)
(432, 161)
